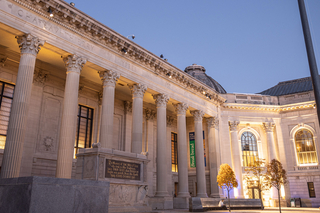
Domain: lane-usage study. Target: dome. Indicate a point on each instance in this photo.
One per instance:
(198, 72)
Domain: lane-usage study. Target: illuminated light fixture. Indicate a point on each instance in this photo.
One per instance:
(132, 36)
(203, 92)
(51, 13)
(124, 51)
(168, 74)
(72, 4)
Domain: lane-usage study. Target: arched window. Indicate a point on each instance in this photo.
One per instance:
(306, 151)
(249, 148)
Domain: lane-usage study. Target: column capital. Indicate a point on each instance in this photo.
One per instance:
(109, 78)
(234, 125)
(268, 126)
(150, 114)
(169, 120)
(29, 44)
(74, 63)
(181, 108)
(161, 100)
(197, 115)
(137, 90)
(212, 122)
(127, 106)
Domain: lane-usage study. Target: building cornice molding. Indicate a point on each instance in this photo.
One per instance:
(78, 22)
(270, 108)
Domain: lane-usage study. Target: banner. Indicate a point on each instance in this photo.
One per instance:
(193, 150)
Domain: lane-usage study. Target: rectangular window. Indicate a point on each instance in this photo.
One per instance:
(174, 152)
(84, 128)
(6, 96)
(312, 193)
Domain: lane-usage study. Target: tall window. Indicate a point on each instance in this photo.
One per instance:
(249, 148)
(174, 152)
(6, 96)
(306, 151)
(84, 128)
(312, 192)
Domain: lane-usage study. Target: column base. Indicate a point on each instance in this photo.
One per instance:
(161, 203)
(202, 195)
(181, 202)
(161, 194)
(184, 194)
(215, 195)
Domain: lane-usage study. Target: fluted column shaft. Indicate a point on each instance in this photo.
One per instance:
(212, 124)
(69, 114)
(138, 91)
(29, 46)
(270, 140)
(236, 158)
(109, 79)
(183, 187)
(161, 102)
(200, 168)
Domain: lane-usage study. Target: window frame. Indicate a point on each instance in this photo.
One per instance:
(174, 152)
(311, 191)
(1, 97)
(251, 151)
(296, 148)
(79, 116)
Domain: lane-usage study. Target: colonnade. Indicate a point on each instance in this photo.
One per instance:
(30, 46)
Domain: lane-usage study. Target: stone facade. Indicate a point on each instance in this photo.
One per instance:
(134, 101)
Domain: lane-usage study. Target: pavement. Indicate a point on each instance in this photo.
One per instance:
(266, 210)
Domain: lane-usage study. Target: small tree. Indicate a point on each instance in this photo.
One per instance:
(276, 176)
(226, 178)
(255, 176)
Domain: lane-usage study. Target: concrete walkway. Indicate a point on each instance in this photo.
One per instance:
(266, 210)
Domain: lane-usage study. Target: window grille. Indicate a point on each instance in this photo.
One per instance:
(312, 192)
(174, 152)
(6, 96)
(84, 128)
(249, 148)
(306, 152)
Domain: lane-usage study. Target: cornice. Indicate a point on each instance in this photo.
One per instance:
(75, 20)
(269, 108)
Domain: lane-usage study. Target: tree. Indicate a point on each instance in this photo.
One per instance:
(276, 176)
(226, 178)
(255, 176)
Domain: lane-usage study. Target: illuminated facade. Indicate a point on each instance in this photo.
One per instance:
(107, 90)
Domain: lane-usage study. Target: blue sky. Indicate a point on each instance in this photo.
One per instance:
(246, 45)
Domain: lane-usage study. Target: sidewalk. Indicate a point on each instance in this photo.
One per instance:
(266, 210)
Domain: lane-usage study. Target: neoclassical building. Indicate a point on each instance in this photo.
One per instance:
(70, 86)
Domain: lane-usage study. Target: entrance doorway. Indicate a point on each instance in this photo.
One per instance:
(253, 193)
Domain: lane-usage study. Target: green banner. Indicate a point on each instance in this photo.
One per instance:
(192, 150)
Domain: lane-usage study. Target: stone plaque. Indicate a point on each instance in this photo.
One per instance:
(122, 170)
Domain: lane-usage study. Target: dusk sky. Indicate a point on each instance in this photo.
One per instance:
(246, 45)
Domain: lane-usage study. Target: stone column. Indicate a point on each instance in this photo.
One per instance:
(169, 154)
(183, 187)
(150, 114)
(161, 102)
(138, 91)
(236, 157)
(128, 125)
(74, 66)
(109, 79)
(200, 168)
(212, 124)
(268, 127)
(29, 46)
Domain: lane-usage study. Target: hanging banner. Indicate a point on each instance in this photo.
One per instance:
(193, 150)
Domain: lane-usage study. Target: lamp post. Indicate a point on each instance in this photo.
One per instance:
(311, 57)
